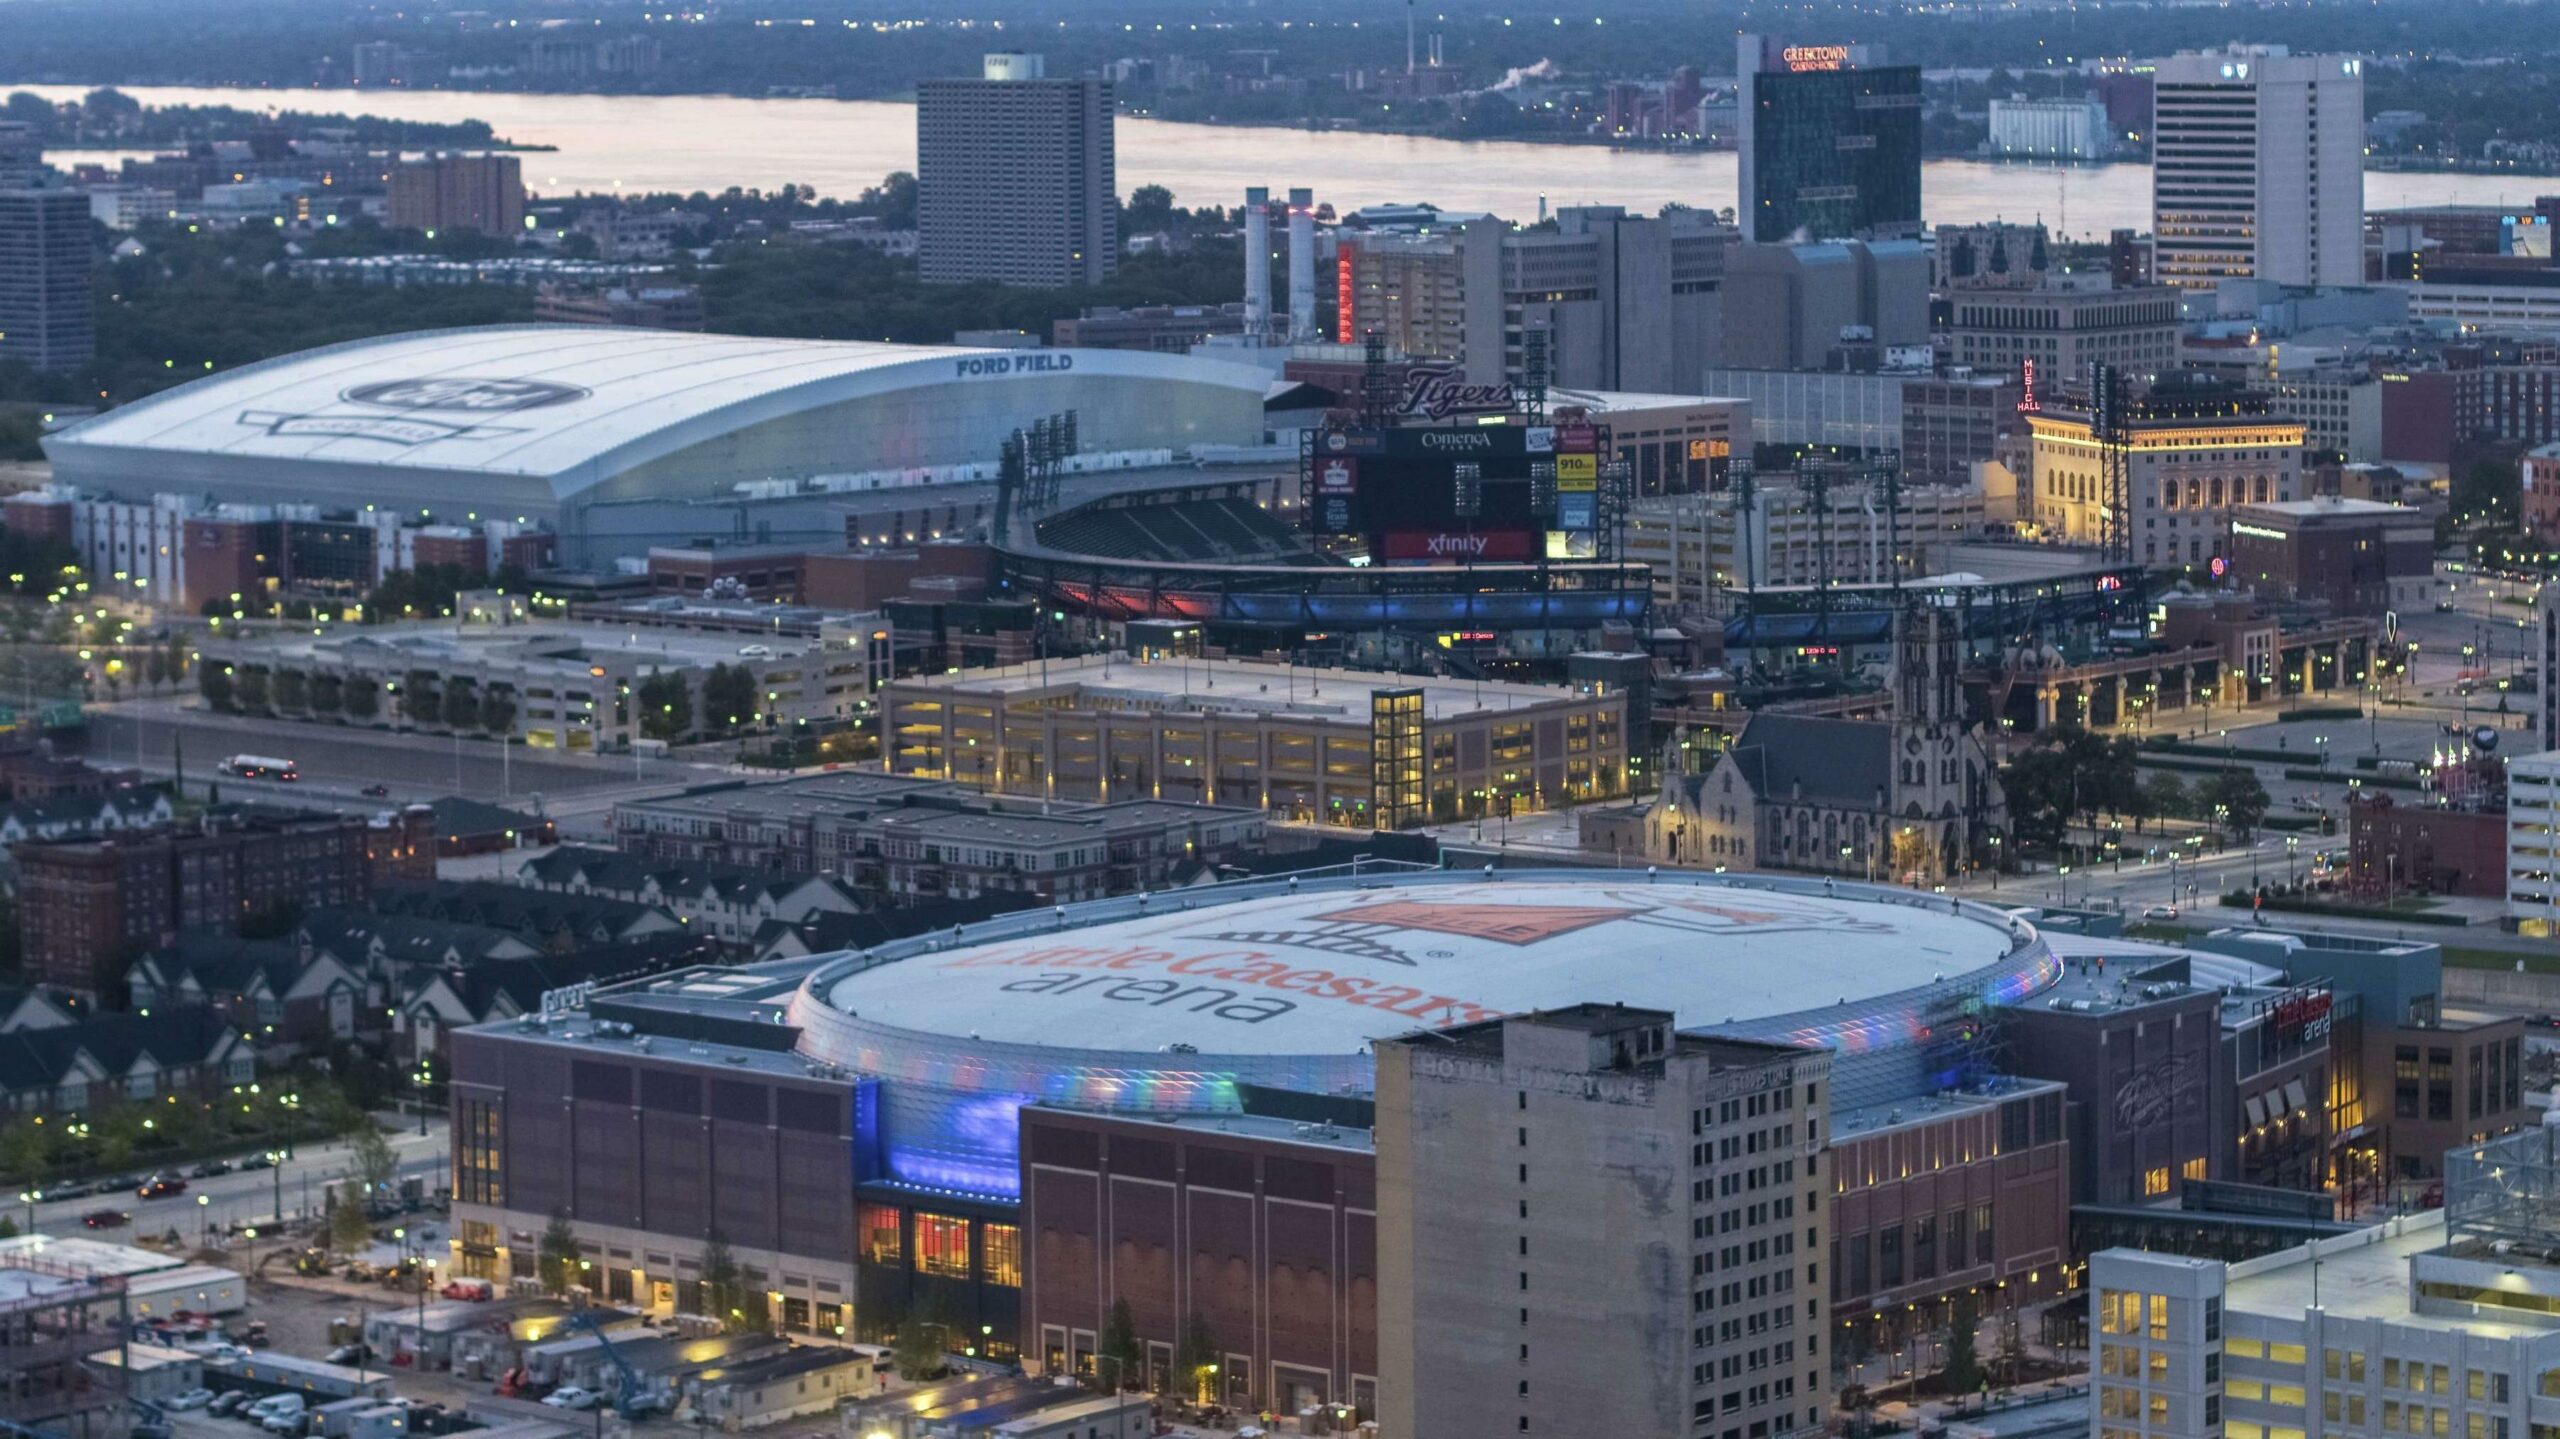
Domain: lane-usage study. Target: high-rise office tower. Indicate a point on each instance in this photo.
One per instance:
(1015, 180)
(1830, 140)
(47, 318)
(21, 156)
(1588, 1224)
(459, 192)
(2257, 168)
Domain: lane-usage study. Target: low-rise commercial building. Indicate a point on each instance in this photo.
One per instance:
(913, 841)
(2356, 556)
(1313, 745)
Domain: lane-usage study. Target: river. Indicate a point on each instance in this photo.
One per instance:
(642, 143)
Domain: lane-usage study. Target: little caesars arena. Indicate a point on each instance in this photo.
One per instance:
(1169, 1004)
(1225, 1032)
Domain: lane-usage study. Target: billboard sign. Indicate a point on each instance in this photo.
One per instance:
(1457, 547)
(1577, 474)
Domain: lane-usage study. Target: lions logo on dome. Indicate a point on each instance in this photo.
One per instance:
(462, 392)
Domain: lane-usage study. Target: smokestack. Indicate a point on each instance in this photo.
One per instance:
(1302, 265)
(1408, 37)
(1257, 263)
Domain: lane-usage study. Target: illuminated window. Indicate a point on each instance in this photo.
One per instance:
(879, 1228)
(2192, 1170)
(2156, 1181)
(942, 1245)
(1004, 1255)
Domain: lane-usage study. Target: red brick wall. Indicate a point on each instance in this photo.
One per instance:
(1272, 1243)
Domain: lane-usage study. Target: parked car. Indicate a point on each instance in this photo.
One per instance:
(191, 1399)
(277, 1407)
(105, 1219)
(2160, 911)
(210, 1168)
(160, 1186)
(257, 1161)
(570, 1396)
(469, 1289)
(70, 1191)
(351, 1354)
(231, 1402)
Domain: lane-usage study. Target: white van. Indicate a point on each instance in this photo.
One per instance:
(274, 1406)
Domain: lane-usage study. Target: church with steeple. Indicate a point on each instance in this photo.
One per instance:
(1910, 800)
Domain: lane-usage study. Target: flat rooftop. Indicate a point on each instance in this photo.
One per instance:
(1236, 686)
(2332, 506)
(2360, 1276)
(569, 646)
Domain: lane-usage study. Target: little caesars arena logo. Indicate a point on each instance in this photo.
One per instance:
(413, 402)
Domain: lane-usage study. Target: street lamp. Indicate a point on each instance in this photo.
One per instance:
(31, 1198)
(204, 1221)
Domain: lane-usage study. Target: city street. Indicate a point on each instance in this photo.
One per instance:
(338, 763)
(242, 1197)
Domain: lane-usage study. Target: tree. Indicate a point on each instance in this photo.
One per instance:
(250, 685)
(461, 706)
(666, 707)
(2235, 798)
(178, 659)
(2164, 795)
(558, 1254)
(26, 1153)
(362, 699)
(419, 701)
(729, 698)
(1120, 1364)
(376, 1162)
(215, 684)
(726, 1295)
(292, 690)
(155, 669)
(1195, 1360)
(349, 1230)
(1963, 1372)
(923, 1347)
(498, 711)
(328, 695)
(1150, 208)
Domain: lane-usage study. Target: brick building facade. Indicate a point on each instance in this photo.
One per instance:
(1263, 1230)
(88, 904)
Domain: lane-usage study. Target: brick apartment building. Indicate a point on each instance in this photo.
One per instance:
(87, 906)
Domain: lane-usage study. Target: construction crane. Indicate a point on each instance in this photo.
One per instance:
(628, 1401)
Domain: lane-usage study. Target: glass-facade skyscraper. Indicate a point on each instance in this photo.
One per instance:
(1830, 143)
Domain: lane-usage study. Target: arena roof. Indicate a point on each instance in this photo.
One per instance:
(570, 406)
(1328, 970)
(532, 399)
